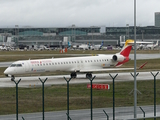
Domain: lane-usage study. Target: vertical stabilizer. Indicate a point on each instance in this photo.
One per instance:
(127, 48)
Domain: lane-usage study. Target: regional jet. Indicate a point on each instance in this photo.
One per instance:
(152, 46)
(73, 65)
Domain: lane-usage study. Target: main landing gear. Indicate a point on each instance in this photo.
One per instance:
(88, 75)
(73, 75)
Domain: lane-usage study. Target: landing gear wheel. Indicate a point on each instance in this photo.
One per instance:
(89, 75)
(12, 78)
(73, 75)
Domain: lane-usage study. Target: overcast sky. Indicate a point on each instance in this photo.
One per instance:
(82, 13)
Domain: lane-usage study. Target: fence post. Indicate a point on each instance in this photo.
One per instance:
(68, 116)
(16, 96)
(113, 96)
(143, 112)
(106, 114)
(43, 94)
(155, 92)
(91, 79)
(67, 96)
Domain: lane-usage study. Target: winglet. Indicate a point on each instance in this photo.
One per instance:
(142, 65)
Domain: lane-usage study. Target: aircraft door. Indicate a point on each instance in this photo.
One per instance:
(79, 64)
(27, 66)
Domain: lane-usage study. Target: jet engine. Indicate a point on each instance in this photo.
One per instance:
(118, 58)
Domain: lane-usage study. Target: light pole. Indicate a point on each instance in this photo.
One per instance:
(127, 30)
(135, 82)
(16, 34)
(142, 34)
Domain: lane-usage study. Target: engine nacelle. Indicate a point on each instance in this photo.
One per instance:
(118, 58)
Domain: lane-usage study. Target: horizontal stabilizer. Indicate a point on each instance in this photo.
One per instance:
(142, 65)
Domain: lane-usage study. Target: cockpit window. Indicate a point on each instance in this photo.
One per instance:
(13, 65)
(16, 65)
(19, 65)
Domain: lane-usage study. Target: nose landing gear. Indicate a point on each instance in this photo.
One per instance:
(12, 78)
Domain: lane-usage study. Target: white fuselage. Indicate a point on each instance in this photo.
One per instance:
(71, 64)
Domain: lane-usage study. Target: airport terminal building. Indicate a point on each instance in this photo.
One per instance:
(93, 35)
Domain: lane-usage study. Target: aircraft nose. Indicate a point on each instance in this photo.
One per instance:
(6, 72)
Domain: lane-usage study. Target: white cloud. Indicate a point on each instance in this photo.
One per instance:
(62, 13)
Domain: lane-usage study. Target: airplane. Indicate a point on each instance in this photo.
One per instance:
(69, 44)
(83, 47)
(98, 47)
(74, 65)
(152, 46)
(3, 48)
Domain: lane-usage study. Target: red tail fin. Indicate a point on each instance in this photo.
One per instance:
(127, 48)
(126, 51)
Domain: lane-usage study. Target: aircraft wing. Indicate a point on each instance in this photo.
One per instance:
(109, 69)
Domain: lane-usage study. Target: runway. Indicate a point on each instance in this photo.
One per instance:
(121, 113)
(34, 81)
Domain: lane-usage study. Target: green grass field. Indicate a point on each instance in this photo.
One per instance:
(30, 99)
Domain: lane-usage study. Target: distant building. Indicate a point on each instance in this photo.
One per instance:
(54, 36)
(157, 19)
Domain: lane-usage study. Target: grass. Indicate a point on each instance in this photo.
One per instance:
(30, 99)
